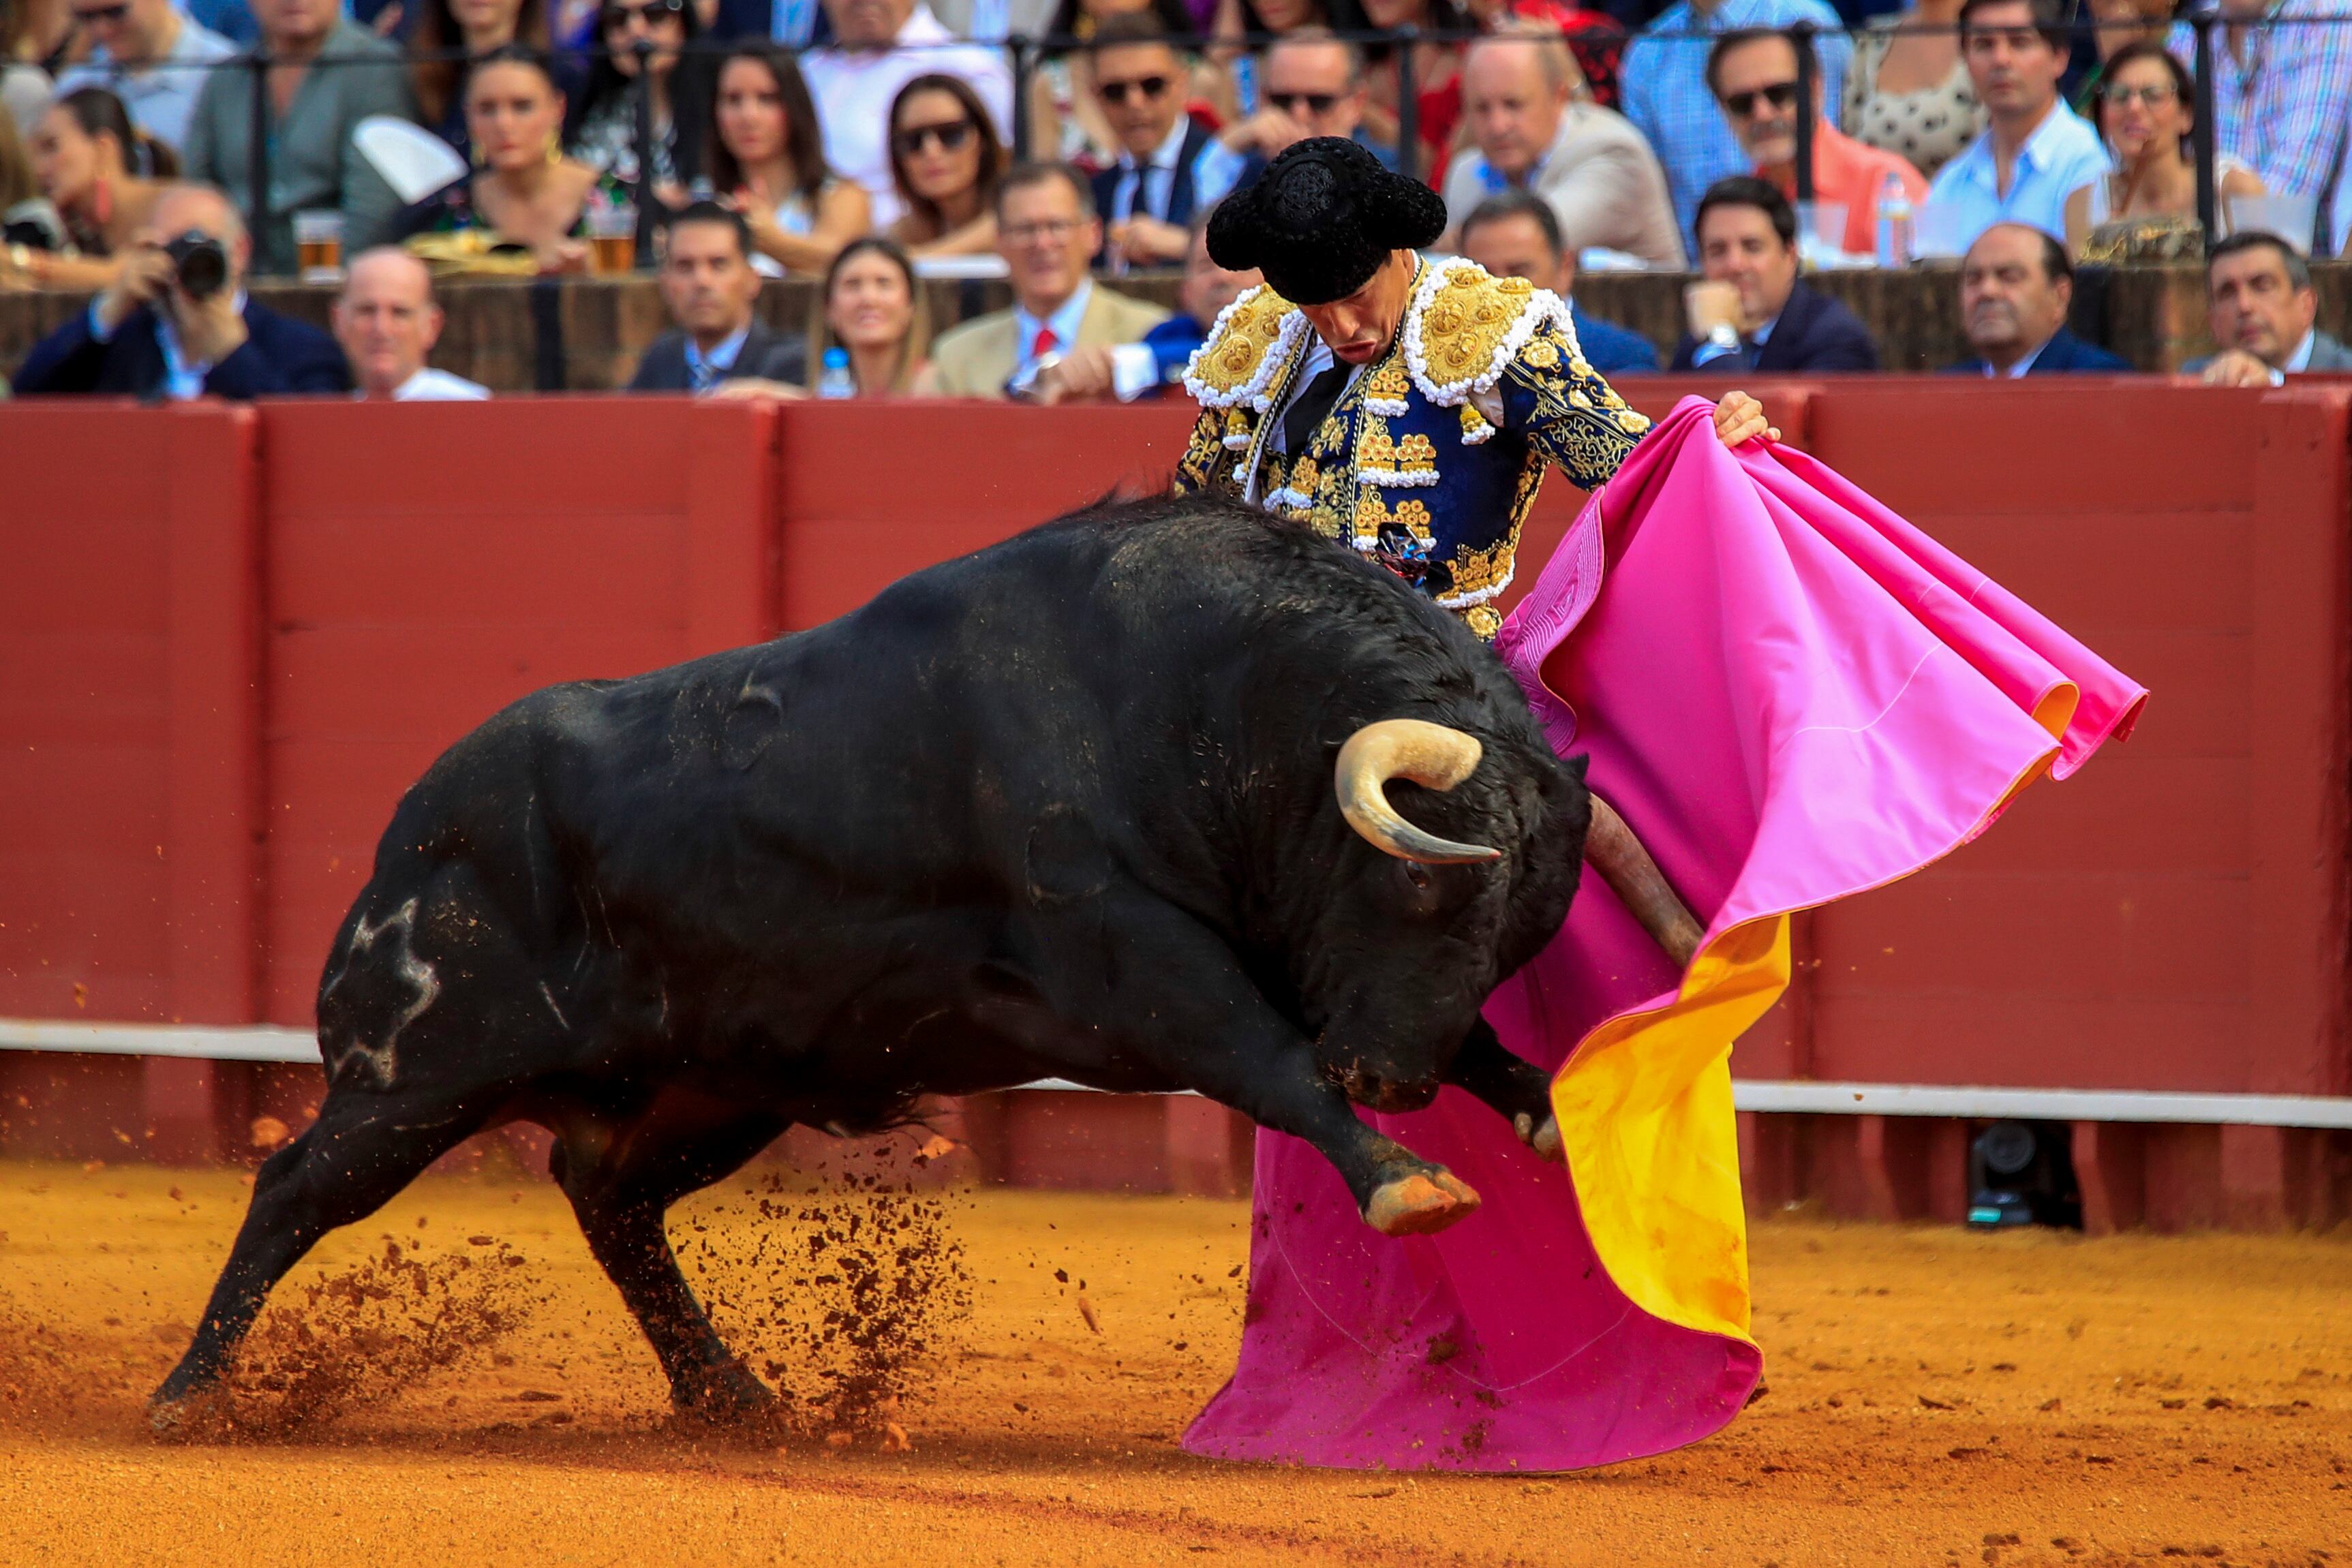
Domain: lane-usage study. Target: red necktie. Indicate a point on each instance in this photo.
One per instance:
(1045, 344)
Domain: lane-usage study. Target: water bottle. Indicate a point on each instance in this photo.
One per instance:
(1893, 221)
(836, 381)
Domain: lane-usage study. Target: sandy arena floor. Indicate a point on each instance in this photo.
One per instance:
(1933, 1397)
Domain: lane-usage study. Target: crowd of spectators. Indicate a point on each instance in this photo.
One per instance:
(867, 142)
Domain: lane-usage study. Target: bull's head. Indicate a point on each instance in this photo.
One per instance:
(1414, 939)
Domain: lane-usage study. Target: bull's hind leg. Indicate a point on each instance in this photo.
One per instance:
(622, 1178)
(361, 1152)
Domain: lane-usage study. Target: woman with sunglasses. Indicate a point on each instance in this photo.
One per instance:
(767, 161)
(945, 160)
(102, 176)
(451, 35)
(604, 132)
(2146, 208)
(525, 206)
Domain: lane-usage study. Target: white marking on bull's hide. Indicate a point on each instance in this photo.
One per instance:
(411, 969)
(552, 1008)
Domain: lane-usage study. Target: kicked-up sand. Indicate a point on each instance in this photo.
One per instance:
(1931, 1397)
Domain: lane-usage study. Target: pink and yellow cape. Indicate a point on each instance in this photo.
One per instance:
(1793, 695)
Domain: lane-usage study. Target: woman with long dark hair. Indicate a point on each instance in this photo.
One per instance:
(945, 160)
(767, 161)
(103, 177)
(525, 200)
(604, 125)
(450, 35)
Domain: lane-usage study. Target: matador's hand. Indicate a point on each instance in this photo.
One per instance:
(1740, 418)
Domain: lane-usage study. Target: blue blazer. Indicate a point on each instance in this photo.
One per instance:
(1815, 333)
(279, 357)
(1609, 346)
(2062, 353)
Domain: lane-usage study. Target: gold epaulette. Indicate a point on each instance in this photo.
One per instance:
(1464, 325)
(1252, 339)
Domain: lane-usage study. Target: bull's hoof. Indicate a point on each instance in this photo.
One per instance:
(1544, 1139)
(727, 1394)
(199, 1415)
(1420, 1204)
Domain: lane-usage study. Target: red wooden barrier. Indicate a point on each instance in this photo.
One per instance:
(127, 783)
(430, 563)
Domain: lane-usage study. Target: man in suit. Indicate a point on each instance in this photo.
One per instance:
(1170, 166)
(1515, 234)
(1752, 313)
(167, 330)
(1057, 341)
(709, 285)
(2263, 311)
(1533, 126)
(2016, 287)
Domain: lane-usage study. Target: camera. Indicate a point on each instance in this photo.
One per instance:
(200, 261)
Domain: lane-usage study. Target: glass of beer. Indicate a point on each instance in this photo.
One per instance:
(613, 239)
(319, 243)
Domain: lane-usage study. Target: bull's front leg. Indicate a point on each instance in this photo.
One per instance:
(1517, 1089)
(1171, 989)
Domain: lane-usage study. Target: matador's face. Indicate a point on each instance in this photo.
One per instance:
(1361, 327)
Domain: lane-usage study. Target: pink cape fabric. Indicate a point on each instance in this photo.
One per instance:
(1793, 696)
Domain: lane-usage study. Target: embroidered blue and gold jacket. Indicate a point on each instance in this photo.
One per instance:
(1431, 459)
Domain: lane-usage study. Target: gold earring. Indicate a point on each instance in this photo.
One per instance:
(554, 147)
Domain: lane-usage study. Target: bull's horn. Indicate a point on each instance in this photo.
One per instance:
(1430, 755)
(1633, 875)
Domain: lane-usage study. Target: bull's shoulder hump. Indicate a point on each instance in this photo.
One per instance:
(1252, 339)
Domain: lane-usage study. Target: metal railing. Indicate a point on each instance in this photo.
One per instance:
(1025, 55)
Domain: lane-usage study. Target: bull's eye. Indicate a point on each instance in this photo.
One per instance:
(1417, 874)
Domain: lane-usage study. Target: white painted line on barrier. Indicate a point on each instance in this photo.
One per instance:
(262, 1043)
(2043, 1104)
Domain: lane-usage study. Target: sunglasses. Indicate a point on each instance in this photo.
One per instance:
(104, 15)
(616, 17)
(949, 134)
(1295, 104)
(2154, 96)
(1779, 94)
(1116, 91)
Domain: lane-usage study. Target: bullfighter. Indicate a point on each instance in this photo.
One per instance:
(1407, 407)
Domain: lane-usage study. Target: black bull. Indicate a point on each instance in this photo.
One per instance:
(1063, 808)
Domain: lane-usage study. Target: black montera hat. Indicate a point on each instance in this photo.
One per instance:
(1321, 219)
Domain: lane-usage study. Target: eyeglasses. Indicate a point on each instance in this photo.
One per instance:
(950, 134)
(1302, 103)
(1742, 105)
(104, 15)
(2153, 96)
(1116, 91)
(1044, 229)
(653, 13)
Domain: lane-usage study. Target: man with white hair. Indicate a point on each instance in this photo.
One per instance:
(175, 323)
(387, 321)
(1535, 127)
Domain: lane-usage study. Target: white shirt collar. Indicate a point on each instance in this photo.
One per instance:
(722, 357)
(1167, 153)
(1065, 322)
(2300, 360)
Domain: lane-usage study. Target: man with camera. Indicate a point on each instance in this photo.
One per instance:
(176, 323)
